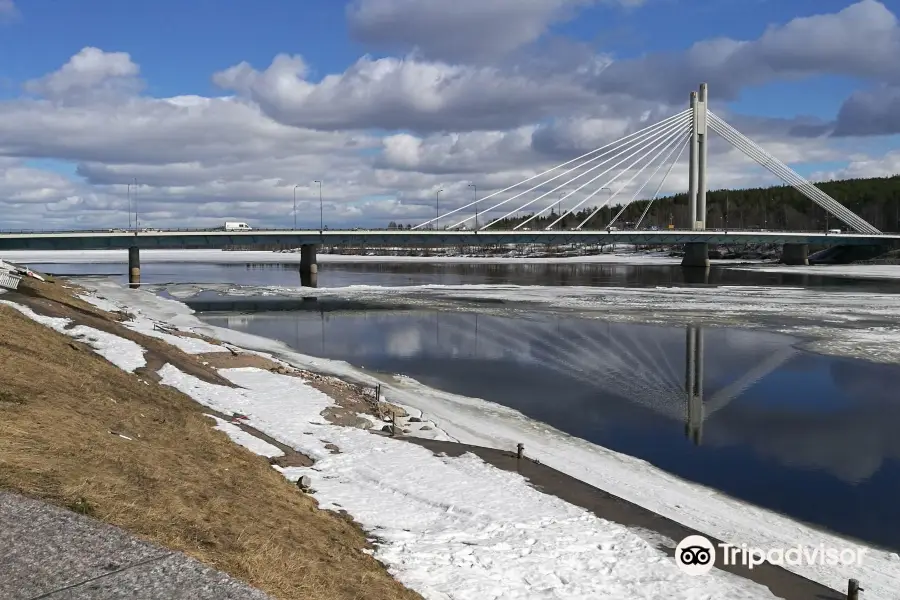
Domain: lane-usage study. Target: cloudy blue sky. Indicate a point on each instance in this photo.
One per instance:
(219, 109)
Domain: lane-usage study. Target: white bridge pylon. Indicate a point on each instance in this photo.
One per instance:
(584, 177)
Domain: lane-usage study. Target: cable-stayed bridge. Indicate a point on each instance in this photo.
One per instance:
(647, 156)
(621, 164)
(659, 145)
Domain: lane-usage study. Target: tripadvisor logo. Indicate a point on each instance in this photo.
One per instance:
(696, 555)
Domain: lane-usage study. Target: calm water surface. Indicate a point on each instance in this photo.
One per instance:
(811, 436)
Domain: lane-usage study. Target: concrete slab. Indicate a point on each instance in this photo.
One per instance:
(173, 576)
(50, 552)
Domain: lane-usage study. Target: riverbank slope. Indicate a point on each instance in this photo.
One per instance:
(82, 433)
(444, 525)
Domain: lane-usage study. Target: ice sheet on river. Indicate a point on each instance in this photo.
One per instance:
(35, 257)
(889, 272)
(845, 323)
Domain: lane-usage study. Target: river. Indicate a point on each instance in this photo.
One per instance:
(805, 434)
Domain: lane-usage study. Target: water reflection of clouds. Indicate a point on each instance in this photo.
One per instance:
(852, 443)
(404, 342)
(851, 446)
(237, 322)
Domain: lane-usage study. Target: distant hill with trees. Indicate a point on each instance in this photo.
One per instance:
(876, 199)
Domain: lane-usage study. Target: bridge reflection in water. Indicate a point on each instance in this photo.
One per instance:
(637, 368)
(699, 408)
(693, 384)
(636, 364)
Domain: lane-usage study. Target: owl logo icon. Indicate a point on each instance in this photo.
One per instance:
(695, 555)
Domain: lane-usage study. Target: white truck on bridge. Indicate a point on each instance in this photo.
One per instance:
(236, 226)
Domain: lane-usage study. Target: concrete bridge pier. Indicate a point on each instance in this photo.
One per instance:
(795, 254)
(696, 254)
(134, 267)
(309, 268)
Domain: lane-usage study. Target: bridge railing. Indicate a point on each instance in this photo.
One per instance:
(151, 230)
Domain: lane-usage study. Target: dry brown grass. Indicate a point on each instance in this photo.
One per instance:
(226, 360)
(178, 482)
(64, 293)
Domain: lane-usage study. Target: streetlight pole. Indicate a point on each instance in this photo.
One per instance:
(725, 219)
(608, 197)
(321, 211)
(295, 206)
(437, 211)
(475, 192)
(134, 179)
(559, 211)
(128, 188)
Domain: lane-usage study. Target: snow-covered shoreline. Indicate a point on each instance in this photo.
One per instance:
(478, 422)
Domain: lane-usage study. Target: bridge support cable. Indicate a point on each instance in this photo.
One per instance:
(663, 134)
(675, 130)
(789, 176)
(685, 139)
(617, 148)
(724, 396)
(645, 130)
(671, 137)
(684, 125)
(661, 183)
(687, 129)
(669, 134)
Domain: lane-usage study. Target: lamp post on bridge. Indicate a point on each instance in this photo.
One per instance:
(475, 194)
(609, 195)
(295, 206)
(437, 211)
(559, 211)
(725, 216)
(128, 192)
(133, 183)
(321, 210)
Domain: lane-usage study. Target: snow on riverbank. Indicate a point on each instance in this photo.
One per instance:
(889, 272)
(150, 328)
(446, 527)
(241, 437)
(123, 353)
(221, 257)
(476, 421)
(454, 527)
